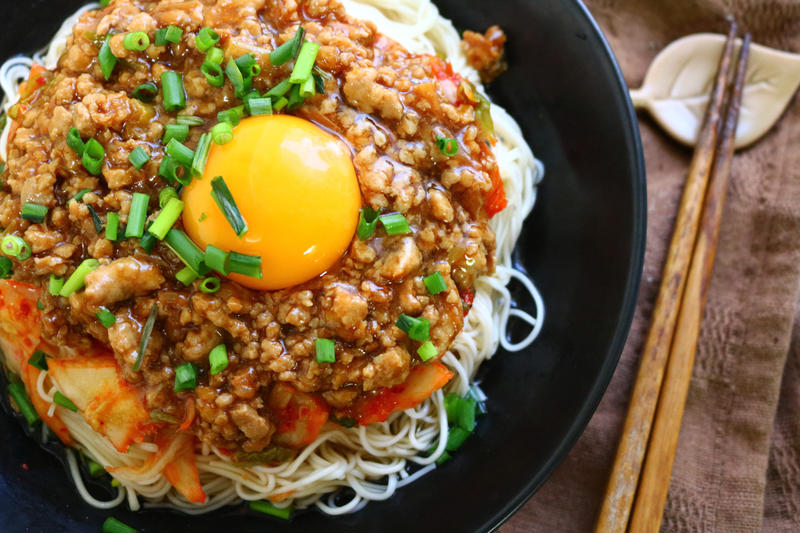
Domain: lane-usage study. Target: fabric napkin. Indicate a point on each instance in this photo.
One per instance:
(737, 468)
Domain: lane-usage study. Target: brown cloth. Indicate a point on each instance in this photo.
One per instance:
(737, 467)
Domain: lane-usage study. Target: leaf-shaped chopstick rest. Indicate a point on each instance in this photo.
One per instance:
(677, 86)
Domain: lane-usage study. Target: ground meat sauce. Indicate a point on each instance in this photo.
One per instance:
(387, 104)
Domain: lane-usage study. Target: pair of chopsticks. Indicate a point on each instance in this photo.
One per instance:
(639, 491)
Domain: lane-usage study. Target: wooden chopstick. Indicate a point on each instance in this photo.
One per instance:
(651, 495)
(619, 495)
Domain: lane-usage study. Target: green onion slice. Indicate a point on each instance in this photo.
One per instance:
(112, 525)
(435, 283)
(448, 146)
(112, 226)
(6, 267)
(93, 155)
(218, 359)
(185, 377)
(137, 215)
(107, 59)
(247, 265)
(395, 224)
(308, 88)
(259, 106)
(78, 197)
(210, 285)
(205, 39)
(224, 199)
(168, 170)
(289, 49)
(233, 115)
(147, 331)
(261, 506)
(98, 223)
(136, 41)
(240, 85)
(34, 212)
(182, 154)
(15, 246)
(279, 90)
(217, 259)
(76, 281)
(38, 360)
(186, 250)
(190, 120)
(427, 351)
(418, 329)
(173, 91)
(173, 34)
(305, 62)
(146, 92)
(367, 221)
(201, 154)
(222, 133)
(179, 132)
(63, 401)
(138, 157)
(75, 142)
(165, 195)
(248, 65)
(17, 392)
(186, 275)
(326, 350)
(106, 317)
(213, 73)
(456, 438)
(166, 219)
(295, 100)
(55, 284)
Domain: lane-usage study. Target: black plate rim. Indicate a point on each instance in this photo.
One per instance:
(635, 270)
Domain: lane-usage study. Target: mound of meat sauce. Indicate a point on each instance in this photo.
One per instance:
(389, 105)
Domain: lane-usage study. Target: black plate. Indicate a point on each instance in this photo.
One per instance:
(583, 246)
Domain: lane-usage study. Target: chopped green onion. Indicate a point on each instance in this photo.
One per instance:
(166, 219)
(138, 157)
(63, 401)
(173, 91)
(319, 83)
(427, 351)
(248, 65)
(106, 317)
(447, 146)
(185, 377)
(38, 360)
(107, 59)
(136, 41)
(203, 216)
(224, 199)
(112, 525)
(17, 392)
(160, 416)
(279, 90)
(395, 224)
(104, 3)
(443, 458)
(168, 170)
(148, 241)
(186, 275)
(146, 92)
(258, 106)
(76, 281)
(95, 468)
(78, 197)
(190, 120)
(456, 438)
(233, 115)
(435, 283)
(6, 267)
(34, 212)
(205, 39)
(308, 88)
(222, 133)
(55, 285)
(161, 37)
(240, 85)
(75, 142)
(279, 104)
(217, 259)
(326, 350)
(98, 224)
(418, 329)
(295, 100)
(186, 250)
(166, 194)
(173, 34)
(247, 265)
(460, 411)
(112, 226)
(213, 73)
(137, 215)
(93, 155)
(201, 154)
(147, 331)
(15, 246)
(305, 61)
(367, 221)
(218, 359)
(261, 506)
(179, 132)
(39, 304)
(210, 285)
(287, 50)
(215, 55)
(182, 154)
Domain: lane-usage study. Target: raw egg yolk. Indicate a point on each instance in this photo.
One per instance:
(296, 188)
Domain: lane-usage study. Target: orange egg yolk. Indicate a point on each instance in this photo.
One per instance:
(296, 188)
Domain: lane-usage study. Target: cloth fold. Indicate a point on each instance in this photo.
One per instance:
(737, 467)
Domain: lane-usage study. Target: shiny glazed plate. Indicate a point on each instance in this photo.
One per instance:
(583, 246)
